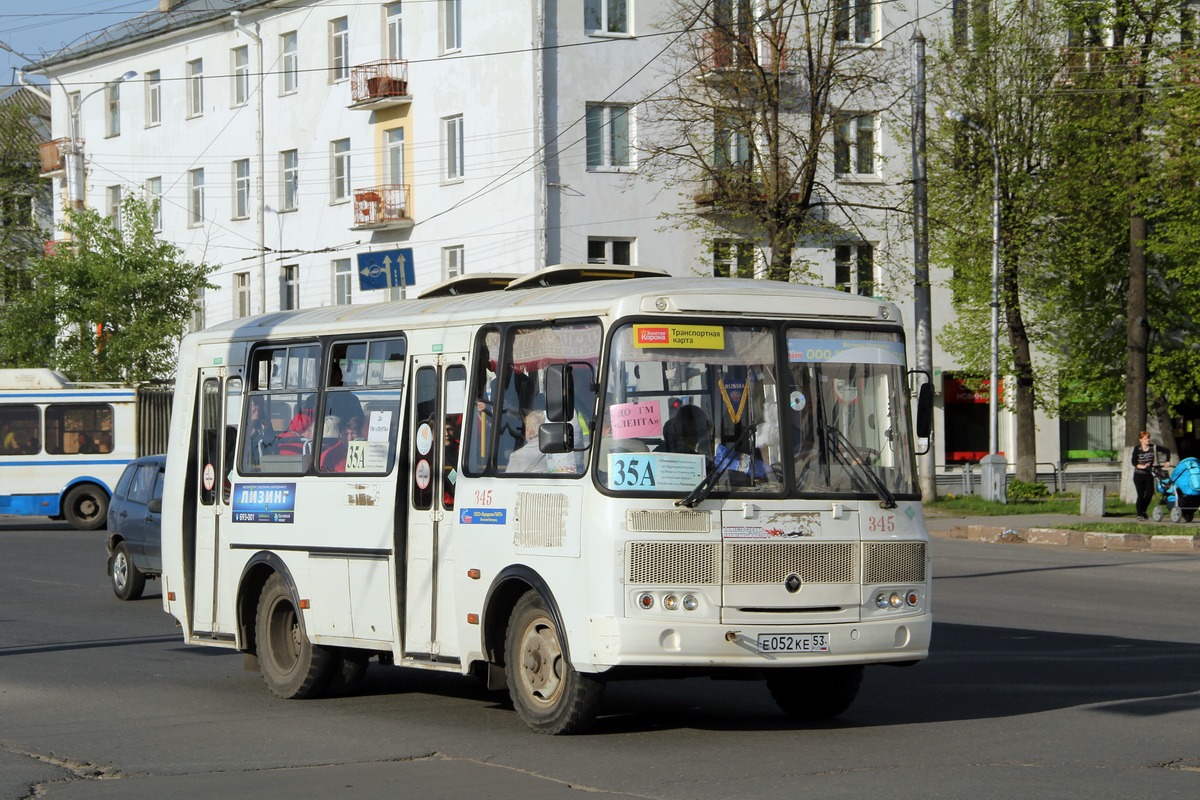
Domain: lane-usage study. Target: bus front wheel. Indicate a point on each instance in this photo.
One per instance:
(85, 507)
(815, 693)
(291, 665)
(547, 692)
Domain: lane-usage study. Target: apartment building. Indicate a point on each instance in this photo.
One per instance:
(321, 153)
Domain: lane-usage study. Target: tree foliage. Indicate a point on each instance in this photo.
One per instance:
(135, 286)
(20, 188)
(747, 123)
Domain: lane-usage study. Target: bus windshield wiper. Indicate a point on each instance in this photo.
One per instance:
(732, 456)
(851, 458)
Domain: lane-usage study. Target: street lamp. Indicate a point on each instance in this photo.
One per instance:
(995, 485)
(74, 165)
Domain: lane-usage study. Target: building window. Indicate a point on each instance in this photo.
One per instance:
(339, 49)
(114, 205)
(112, 104)
(854, 146)
(241, 188)
(241, 290)
(289, 282)
(606, 16)
(339, 170)
(451, 25)
(153, 98)
(289, 63)
(289, 179)
(608, 143)
(394, 44)
(393, 155)
(733, 259)
(731, 146)
(452, 128)
(1089, 437)
(343, 280)
(195, 197)
(854, 268)
(610, 251)
(855, 21)
(154, 196)
(239, 90)
(452, 261)
(195, 87)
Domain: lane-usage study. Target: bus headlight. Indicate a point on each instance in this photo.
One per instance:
(881, 600)
(645, 600)
(895, 600)
(690, 603)
(671, 602)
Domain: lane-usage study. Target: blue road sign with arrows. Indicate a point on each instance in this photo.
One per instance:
(375, 268)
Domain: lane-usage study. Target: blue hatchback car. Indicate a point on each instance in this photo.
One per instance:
(135, 527)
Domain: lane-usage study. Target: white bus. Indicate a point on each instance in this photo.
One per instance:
(570, 480)
(63, 445)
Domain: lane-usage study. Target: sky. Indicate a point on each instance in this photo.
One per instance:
(55, 24)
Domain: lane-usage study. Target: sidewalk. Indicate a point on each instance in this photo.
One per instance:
(1049, 529)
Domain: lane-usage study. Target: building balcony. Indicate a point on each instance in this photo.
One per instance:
(724, 51)
(380, 84)
(54, 157)
(383, 207)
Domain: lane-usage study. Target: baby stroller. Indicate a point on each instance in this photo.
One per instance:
(1179, 492)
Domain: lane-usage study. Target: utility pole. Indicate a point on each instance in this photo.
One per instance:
(922, 304)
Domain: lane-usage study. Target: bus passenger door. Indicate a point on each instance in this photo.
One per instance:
(438, 391)
(216, 433)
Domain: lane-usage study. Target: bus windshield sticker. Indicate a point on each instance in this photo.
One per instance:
(674, 472)
(483, 516)
(846, 351)
(691, 337)
(264, 502)
(366, 456)
(636, 420)
(381, 427)
(424, 438)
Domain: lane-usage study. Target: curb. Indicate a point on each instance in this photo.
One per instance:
(1126, 542)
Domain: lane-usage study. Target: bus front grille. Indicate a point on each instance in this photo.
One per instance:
(893, 562)
(772, 562)
(675, 563)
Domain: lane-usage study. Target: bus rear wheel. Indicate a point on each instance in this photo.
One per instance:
(815, 693)
(85, 507)
(547, 692)
(291, 665)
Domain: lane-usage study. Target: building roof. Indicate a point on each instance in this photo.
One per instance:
(182, 14)
(36, 105)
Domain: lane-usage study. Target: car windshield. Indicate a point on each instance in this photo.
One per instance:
(693, 410)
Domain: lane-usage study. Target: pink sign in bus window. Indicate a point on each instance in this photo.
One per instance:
(636, 420)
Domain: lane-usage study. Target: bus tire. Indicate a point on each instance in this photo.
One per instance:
(85, 507)
(127, 580)
(547, 692)
(291, 665)
(815, 693)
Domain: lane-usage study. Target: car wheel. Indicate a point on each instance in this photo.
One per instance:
(127, 580)
(85, 507)
(815, 693)
(291, 665)
(547, 692)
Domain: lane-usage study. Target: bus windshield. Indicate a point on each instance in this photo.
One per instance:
(765, 410)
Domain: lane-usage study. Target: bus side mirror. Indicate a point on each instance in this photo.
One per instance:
(556, 437)
(924, 410)
(560, 394)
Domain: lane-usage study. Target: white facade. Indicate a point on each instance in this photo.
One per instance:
(511, 79)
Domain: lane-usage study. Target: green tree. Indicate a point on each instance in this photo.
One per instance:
(20, 189)
(136, 289)
(1000, 72)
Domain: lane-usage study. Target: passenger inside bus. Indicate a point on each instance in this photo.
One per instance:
(344, 431)
(528, 457)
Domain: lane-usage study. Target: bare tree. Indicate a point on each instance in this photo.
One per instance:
(769, 102)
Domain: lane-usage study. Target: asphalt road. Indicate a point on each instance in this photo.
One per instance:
(1055, 673)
